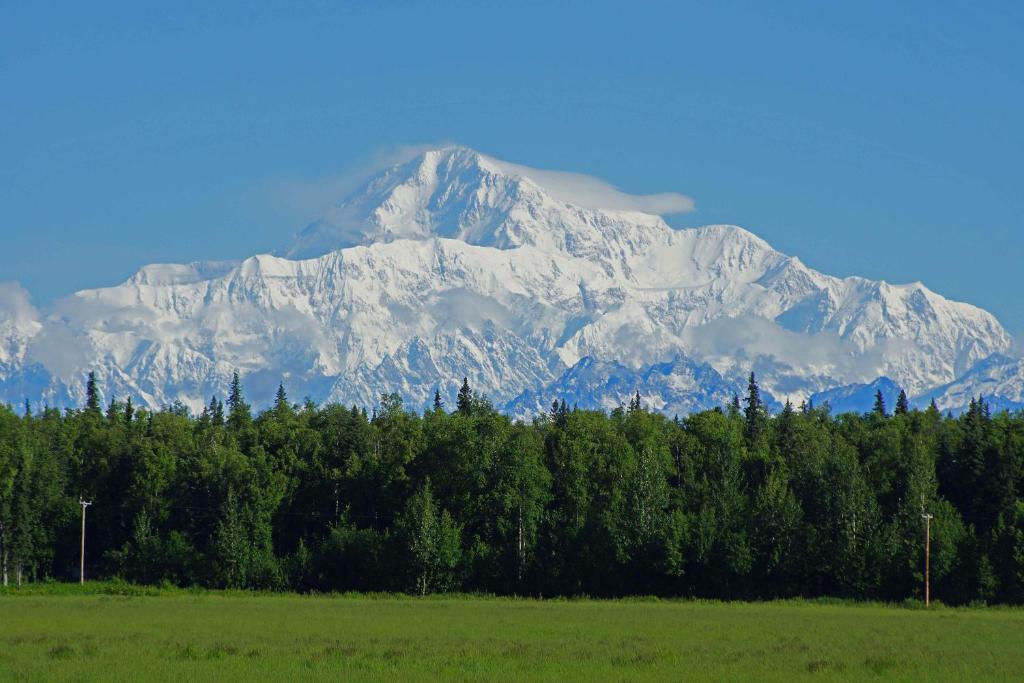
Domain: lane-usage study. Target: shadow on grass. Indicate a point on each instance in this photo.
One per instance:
(62, 651)
(824, 666)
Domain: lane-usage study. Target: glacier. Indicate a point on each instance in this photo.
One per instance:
(454, 264)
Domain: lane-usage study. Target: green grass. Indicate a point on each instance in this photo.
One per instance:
(117, 632)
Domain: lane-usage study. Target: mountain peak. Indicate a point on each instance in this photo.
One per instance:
(456, 192)
(445, 192)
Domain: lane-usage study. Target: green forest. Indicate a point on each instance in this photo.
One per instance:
(731, 503)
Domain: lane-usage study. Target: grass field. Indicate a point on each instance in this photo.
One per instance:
(212, 636)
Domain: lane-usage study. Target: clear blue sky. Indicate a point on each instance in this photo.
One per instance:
(884, 140)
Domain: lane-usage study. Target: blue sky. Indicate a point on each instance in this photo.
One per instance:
(878, 139)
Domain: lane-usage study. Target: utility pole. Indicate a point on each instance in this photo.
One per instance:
(927, 517)
(81, 569)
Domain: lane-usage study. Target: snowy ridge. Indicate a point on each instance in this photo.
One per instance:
(998, 379)
(676, 387)
(454, 264)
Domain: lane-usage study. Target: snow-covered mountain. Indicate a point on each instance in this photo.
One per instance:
(455, 264)
(677, 387)
(998, 379)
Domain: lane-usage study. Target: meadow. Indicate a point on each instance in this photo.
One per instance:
(112, 632)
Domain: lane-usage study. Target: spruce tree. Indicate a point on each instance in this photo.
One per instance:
(129, 411)
(235, 392)
(281, 398)
(734, 405)
(879, 408)
(902, 405)
(754, 412)
(92, 394)
(216, 412)
(113, 410)
(438, 403)
(464, 402)
(785, 426)
(239, 412)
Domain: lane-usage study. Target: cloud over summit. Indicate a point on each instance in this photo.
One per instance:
(591, 192)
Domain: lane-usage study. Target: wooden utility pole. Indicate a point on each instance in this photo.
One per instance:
(81, 568)
(927, 517)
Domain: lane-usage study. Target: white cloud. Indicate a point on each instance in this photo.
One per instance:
(16, 304)
(593, 193)
(745, 338)
(1017, 344)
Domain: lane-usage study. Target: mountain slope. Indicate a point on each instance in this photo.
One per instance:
(676, 387)
(998, 379)
(858, 398)
(454, 264)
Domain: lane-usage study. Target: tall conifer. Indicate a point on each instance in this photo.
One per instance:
(879, 408)
(464, 402)
(239, 412)
(754, 412)
(92, 394)
(902, 404)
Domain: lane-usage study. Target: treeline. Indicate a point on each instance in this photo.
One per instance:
(730, 503)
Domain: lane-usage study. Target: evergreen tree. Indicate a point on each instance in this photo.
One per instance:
(464, 401)
(438, 403)
(216, 411)
(92, 394)
(902, 404)
(734, 406)
(239, 412)
(129, 411)
(754, 413)
(281, 399)
(879, 408)
(113, 410)
(235, 398)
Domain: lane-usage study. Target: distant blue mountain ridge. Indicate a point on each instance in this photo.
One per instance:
(858, 398)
